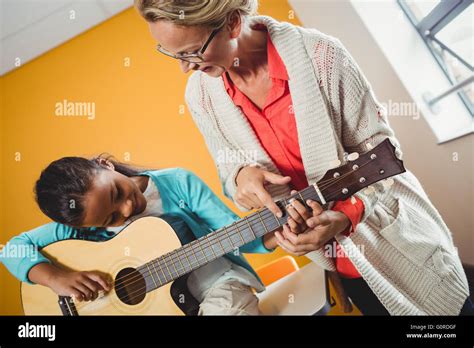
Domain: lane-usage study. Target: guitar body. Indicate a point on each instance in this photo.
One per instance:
(141, 241)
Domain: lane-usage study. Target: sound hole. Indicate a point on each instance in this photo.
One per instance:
(130, 286)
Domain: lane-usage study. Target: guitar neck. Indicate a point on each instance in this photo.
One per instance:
(226, 240)
(337, 184)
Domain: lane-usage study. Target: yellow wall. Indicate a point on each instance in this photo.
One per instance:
(137, 112)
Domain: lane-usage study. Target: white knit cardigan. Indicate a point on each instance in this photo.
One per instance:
(402, 247)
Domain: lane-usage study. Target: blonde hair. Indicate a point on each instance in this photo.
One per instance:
(208, 13)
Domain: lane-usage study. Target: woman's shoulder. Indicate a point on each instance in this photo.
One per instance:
(288, 32)
(319, 44)
(194, 87)
(316, 35)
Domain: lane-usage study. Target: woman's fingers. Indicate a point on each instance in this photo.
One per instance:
(256, 196)
(265, 198)
(256, 204)
(246, 201)
(275, 178)
(251, 182)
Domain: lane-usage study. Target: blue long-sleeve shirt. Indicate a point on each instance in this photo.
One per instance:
(183, 195)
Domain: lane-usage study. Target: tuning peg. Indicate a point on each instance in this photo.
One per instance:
(334, 164)
(353, 156)
(387, 183)
(369, 190)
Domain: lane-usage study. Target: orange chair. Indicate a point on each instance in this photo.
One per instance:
(277, 269)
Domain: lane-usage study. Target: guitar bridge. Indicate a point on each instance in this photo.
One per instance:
(67, 306)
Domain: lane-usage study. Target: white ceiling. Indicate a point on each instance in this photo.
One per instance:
(31, 27)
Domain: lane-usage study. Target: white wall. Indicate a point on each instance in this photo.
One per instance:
(448, 183)
(29, 28)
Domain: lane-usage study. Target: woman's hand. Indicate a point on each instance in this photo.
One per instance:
(305, 234)
(251, 192)
(83, 286)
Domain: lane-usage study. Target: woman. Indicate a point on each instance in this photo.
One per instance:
(96, 198)
(292, 102)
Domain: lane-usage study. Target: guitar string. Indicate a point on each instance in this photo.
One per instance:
(145, 276)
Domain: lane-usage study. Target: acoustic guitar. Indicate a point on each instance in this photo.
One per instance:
(146, 257)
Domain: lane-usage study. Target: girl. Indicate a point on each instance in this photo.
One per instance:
(95, 198)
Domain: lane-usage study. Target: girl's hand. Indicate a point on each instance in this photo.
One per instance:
(83, 286)
(80, 285)
(322, 226)
(298, 214)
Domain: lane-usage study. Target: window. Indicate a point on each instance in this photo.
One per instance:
(446, 27)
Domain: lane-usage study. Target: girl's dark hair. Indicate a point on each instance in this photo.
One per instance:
(62, 185)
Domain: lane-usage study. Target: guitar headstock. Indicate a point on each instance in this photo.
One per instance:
(361, 171)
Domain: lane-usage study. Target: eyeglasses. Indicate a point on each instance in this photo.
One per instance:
(192, 57)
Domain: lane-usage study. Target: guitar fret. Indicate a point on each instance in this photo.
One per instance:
(187, 258)
(174, 264)
(210, 246)
(153, 278)
(240, 232)
(154, 269)
(225, 242)
(229, 237)
(276, 218)
(219, 240)
(181, 263)
(162, 272)
(240, 235)
(263, 223)
(167, 268)
(202, 250)
(304, 202)
(195, 255)
(250, 228)
(251, 231)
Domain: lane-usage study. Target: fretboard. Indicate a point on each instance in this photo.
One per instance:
(226, 240)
